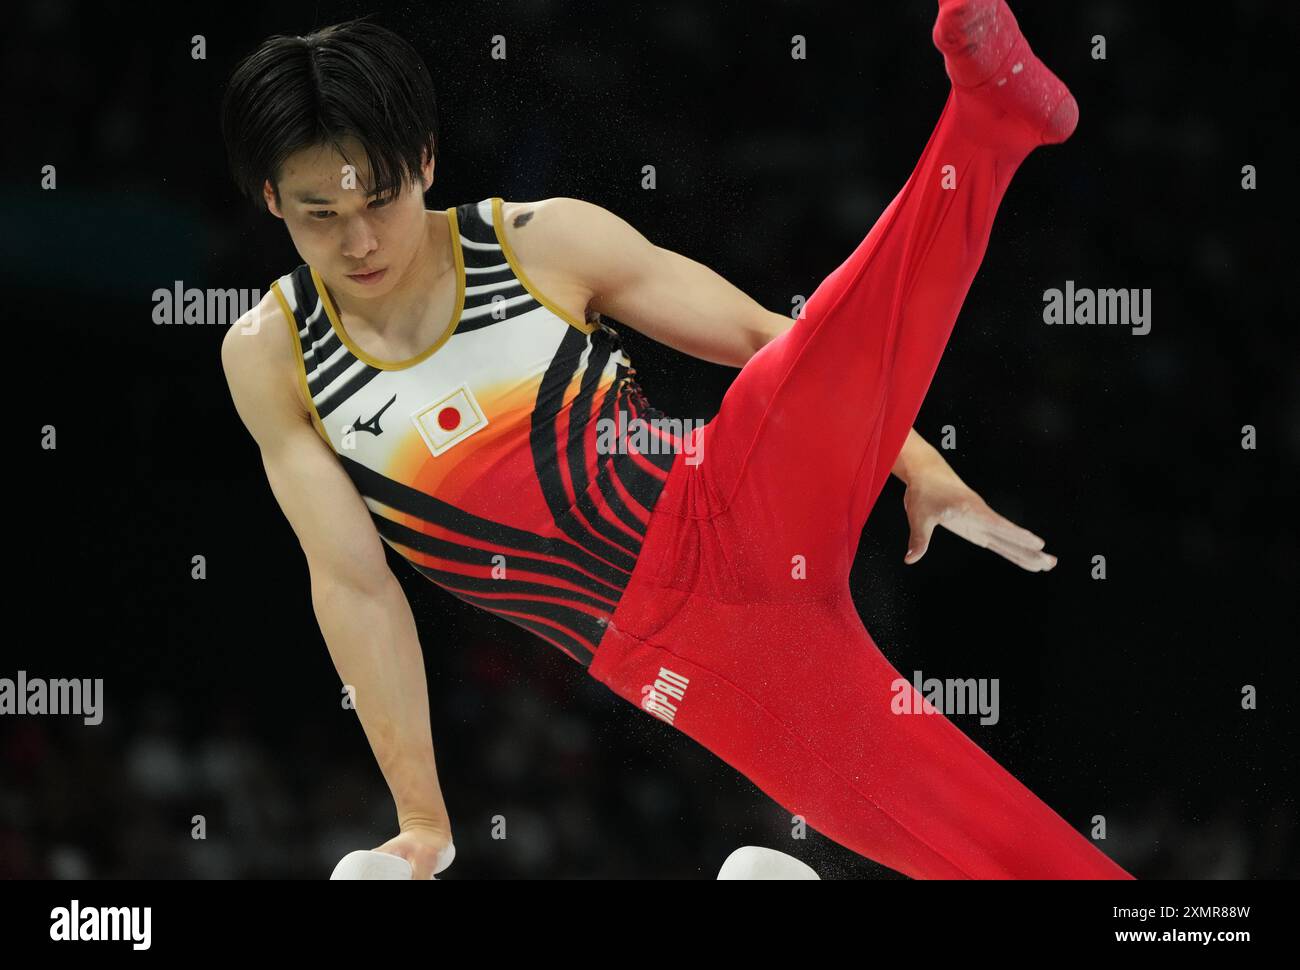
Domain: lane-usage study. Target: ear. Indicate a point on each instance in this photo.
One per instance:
(269, 196)
(426, 168)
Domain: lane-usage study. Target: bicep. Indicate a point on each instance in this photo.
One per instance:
(325, 510)
(323, 507)
(663, 294)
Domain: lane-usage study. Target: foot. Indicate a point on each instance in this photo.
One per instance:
(986, 55)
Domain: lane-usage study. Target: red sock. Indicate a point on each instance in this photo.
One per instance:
(986, 55)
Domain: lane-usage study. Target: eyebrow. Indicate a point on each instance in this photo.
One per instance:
(318, 200)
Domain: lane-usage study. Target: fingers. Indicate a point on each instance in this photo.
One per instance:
(445, 857)
(424, 861)
(976, 522)
(421, 864)
(1014, 534)
(995, 532)
(1006, 530)
(1034, 560)
(429, 861)
(919, 541)
(420, 858)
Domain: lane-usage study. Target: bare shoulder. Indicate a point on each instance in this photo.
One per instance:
(551, 215)
(526, 223)
(544, 225)
(567, 237)
(516, 215)
(258, 339)
(259, 359)
(554, 242)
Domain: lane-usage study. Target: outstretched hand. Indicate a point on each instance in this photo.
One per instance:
(939, 497)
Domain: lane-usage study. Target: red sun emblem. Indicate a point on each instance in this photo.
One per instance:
(448, 419)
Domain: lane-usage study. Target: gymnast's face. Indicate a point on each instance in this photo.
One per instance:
(340, 227)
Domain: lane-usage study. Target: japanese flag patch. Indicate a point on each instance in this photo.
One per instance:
(447, 422)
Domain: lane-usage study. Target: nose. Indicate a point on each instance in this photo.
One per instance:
(359, 240)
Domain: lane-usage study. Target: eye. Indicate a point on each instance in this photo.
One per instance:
(327, 213)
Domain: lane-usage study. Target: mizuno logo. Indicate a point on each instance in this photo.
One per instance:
(657, 698)
(371, 424)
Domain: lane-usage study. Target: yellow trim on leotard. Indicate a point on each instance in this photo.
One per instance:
(302, 364)
(498, 223)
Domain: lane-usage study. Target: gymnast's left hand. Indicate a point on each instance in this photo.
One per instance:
(427, 847)
(938, 497)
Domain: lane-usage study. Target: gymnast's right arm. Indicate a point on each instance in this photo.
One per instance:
(360, 606)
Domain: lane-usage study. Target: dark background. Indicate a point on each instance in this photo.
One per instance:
(1119, 697)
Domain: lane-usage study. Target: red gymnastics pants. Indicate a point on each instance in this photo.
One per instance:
(774, 674)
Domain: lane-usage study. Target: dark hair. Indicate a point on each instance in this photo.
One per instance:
(352, 79)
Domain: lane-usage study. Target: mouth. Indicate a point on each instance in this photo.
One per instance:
(374, 276)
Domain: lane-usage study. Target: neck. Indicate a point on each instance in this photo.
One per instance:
(405, 304)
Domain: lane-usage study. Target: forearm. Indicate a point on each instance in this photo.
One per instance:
(917, 456)
(373, 642)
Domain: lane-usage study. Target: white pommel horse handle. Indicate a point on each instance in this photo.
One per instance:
(370, 864)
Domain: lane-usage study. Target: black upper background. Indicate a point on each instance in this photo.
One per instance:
(1119, 697)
